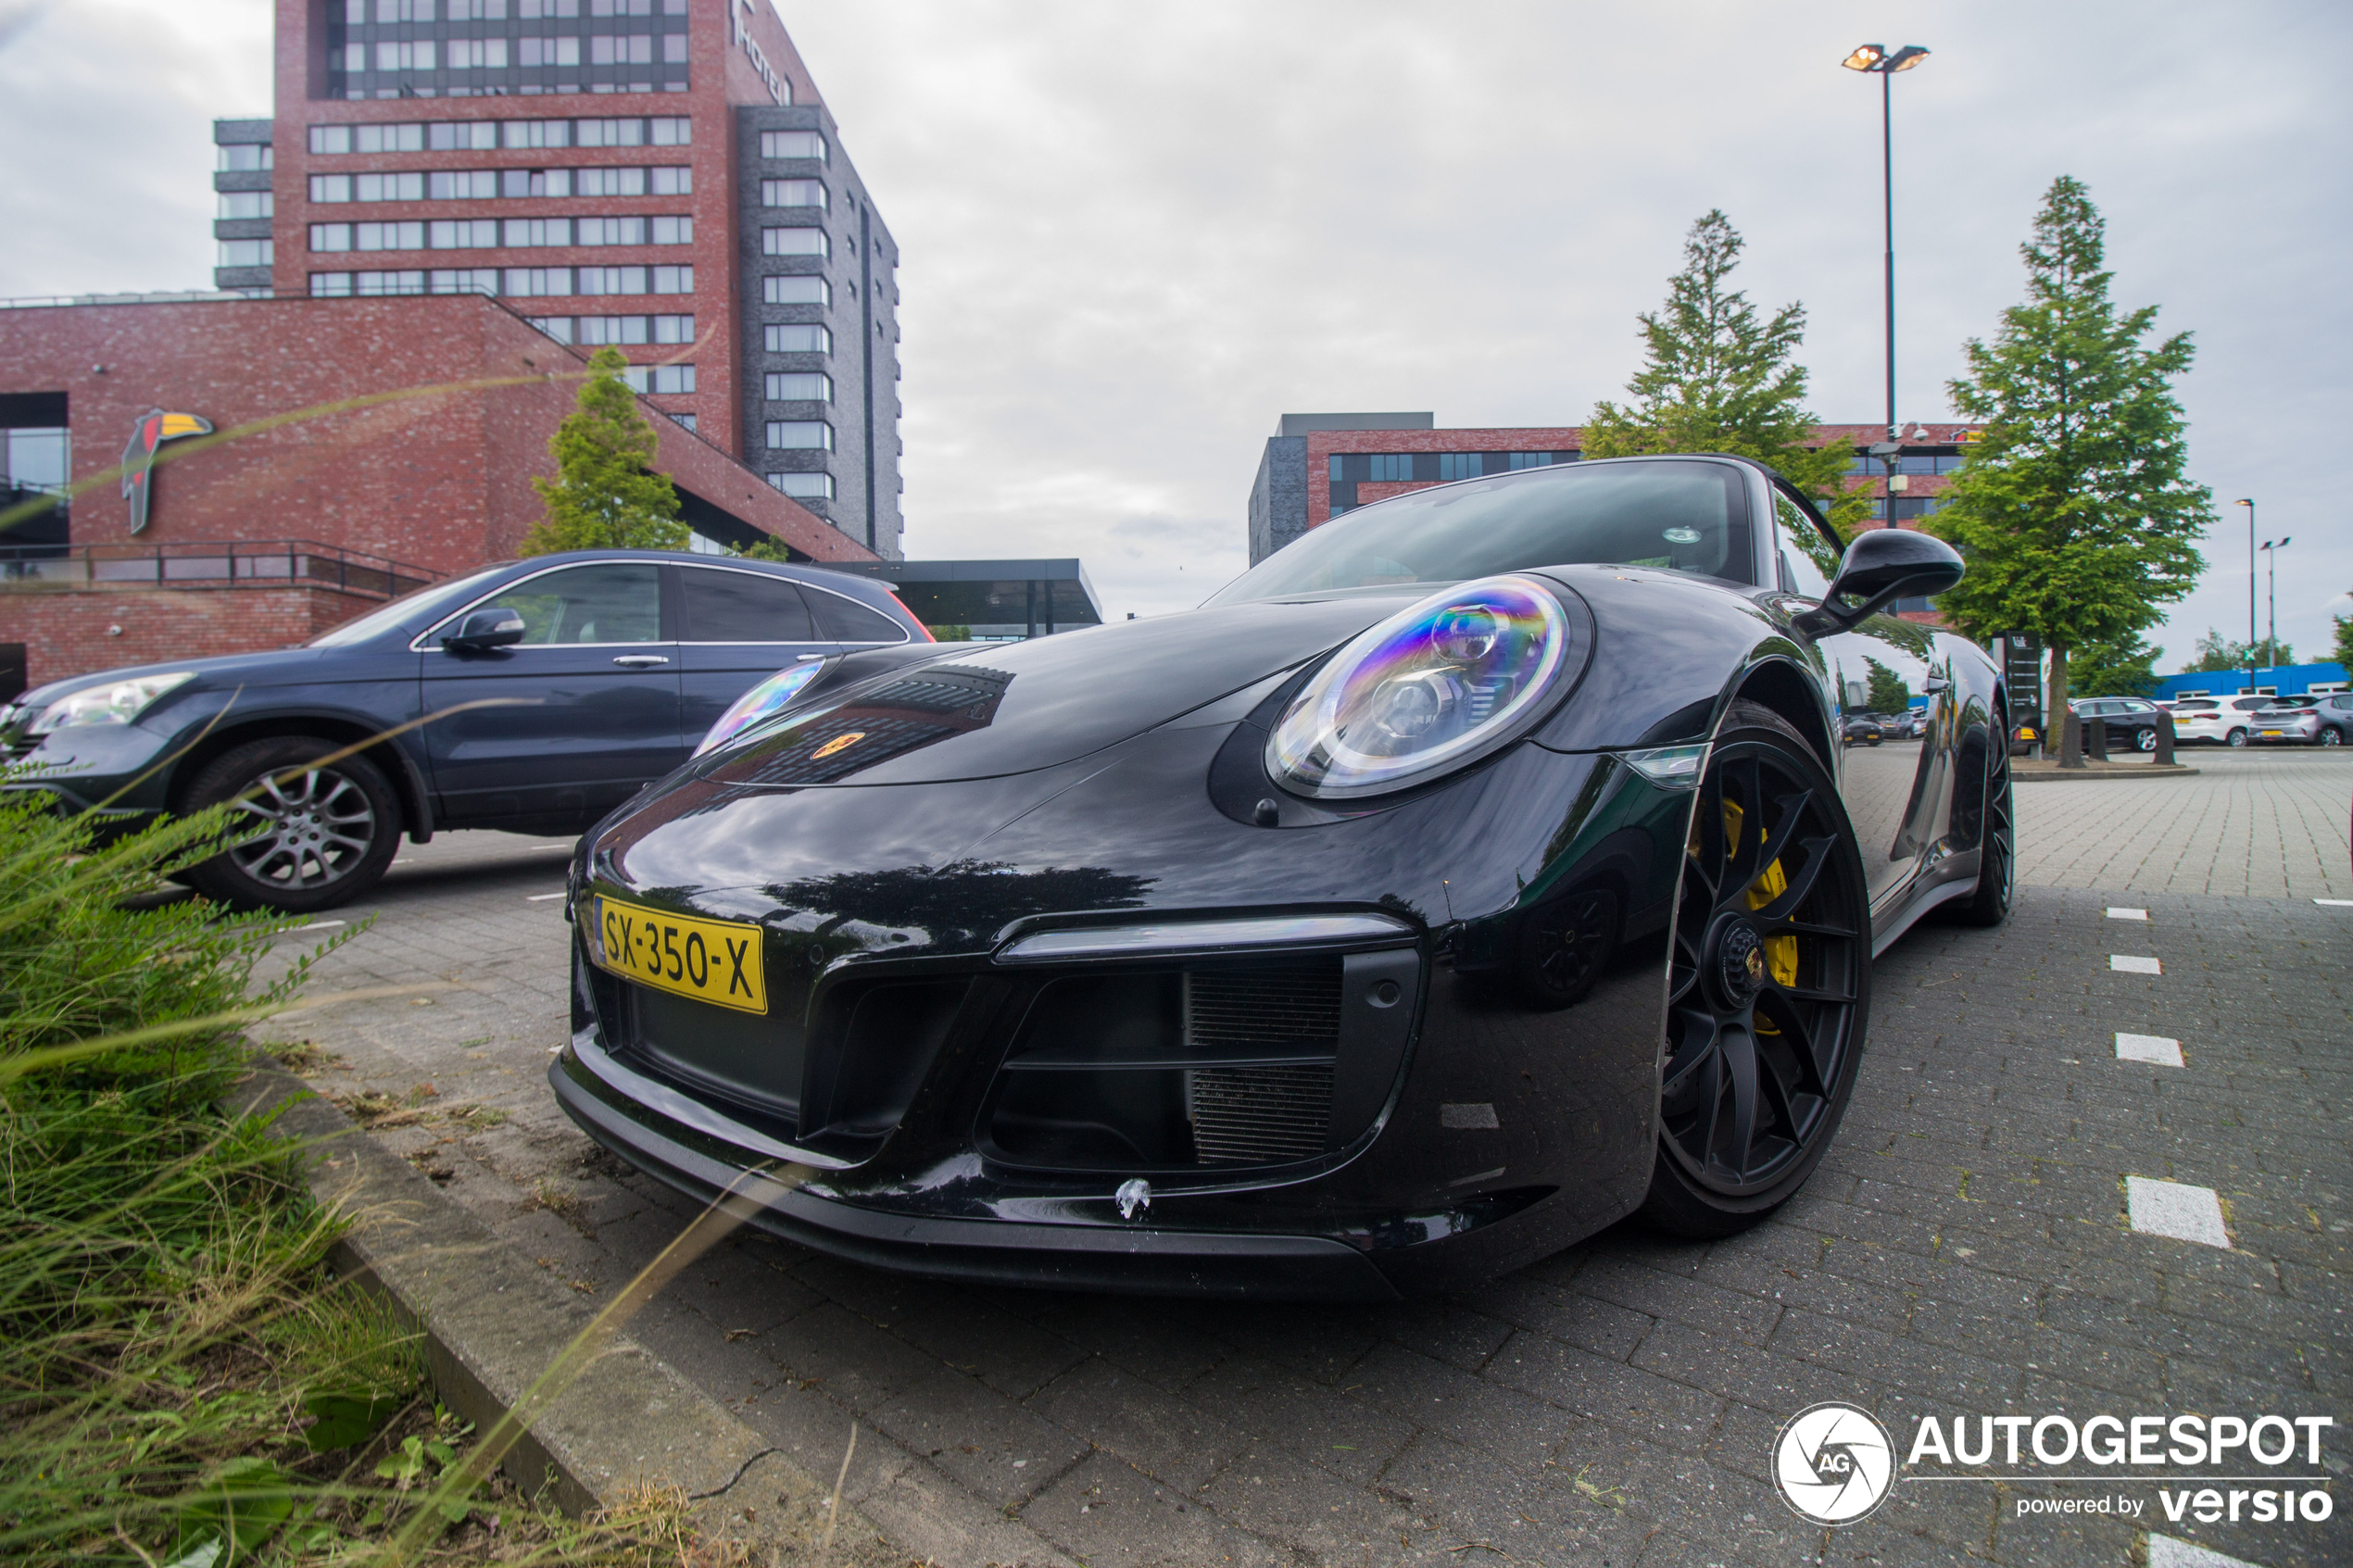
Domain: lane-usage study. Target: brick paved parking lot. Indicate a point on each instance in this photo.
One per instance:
(1968, 1248)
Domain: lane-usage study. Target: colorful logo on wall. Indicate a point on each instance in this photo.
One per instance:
(148, 434)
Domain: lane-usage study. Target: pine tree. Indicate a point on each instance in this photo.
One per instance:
(2126, 669)
(1717, 379)
(2072, 508)
(1888, 693)
(604, 496)
(2344, 625)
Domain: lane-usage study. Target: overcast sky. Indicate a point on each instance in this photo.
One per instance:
(1134, 235)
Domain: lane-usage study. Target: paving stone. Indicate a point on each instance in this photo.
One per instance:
(1110, 1515)
(1162, 1434)
(1329, 1430)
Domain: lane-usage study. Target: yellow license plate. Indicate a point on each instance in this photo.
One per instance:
(2271, 735)
(712, 961)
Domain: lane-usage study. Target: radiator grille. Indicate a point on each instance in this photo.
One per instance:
(1258, 1115)
(1291, 1008)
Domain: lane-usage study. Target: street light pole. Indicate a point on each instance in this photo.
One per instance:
(2249, 505)
(1875, 58)
(2272, 549)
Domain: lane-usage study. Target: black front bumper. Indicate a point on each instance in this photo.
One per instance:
(1127, 1258)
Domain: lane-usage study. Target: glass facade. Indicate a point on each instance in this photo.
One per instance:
(504, 48)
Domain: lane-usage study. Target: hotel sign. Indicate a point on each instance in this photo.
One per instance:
(739, 30)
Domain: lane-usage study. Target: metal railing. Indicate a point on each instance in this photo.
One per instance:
(235, 563)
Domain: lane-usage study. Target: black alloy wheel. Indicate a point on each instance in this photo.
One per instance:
(1989, 902)
(301, 838)
(1768, 982)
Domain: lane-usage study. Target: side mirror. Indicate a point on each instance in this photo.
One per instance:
(1880, 567)
(485, 629)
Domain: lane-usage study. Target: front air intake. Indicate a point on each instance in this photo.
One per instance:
(1261, 1115)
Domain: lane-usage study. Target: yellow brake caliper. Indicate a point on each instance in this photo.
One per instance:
(1780, 952)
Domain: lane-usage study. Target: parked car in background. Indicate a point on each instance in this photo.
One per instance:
(2227, 721)
(1912, 723)
(583, 677)
(2336, 719)
(2131, 721)
(1863, 728)
(2288, 721)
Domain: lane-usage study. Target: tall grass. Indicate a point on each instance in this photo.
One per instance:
(182, 1380)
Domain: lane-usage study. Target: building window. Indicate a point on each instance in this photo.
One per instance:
(673, 280)
(397, 11)
(796, 288)
(800, 387)
(597, 330)
(477, 234)
(1392, 466)
(794, 241)
(530, 133)
(388, 282)
(477, 11)
(665, 380)
(416, 54)
(533, 10)
(684, 421)
(793, 144)
(477, 54)
(556, 327)
(330, 236)
(454, 185)
(621, 49)
(1531, 459)
(670, 179)
(785, 435)
(792, 192)
(525, 282)
(244, 156)
(609, 132)
(819, 486)
(534, 182)
(621, 8)
(673, 48)
(797, 337)
(673, 131)
(330, 286)
(464, 280)
(246, 204)
(35, 457)
(1461, 465)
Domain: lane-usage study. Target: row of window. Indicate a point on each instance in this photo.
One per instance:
(1907, 462)
(484, 184)
(501, 233)
(796, 288)
(788, 435)
(793, 144)
(356, 13)
(792, 192)
(795, 242)
(247, 204)
(1430, 468)
(246, 252)
(594, 332)
(483, 135)
(493, 54)
(243, 157)
(515, 283)
(819, 486)
(1907, 506)
(800, 387)
(667, 380)
(798, 337)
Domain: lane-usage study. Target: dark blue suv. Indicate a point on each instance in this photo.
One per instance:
(580, 678)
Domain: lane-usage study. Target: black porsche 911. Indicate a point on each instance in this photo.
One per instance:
(1480, 869)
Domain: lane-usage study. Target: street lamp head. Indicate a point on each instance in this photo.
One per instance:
(1866, 56)
(1905, 58)
(2243, 501)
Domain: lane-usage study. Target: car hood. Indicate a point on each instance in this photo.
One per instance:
(274, 667)
(989, 709)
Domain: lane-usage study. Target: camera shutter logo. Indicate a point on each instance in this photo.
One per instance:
(1833, 1463)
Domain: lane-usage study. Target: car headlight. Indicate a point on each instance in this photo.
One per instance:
(112, 702)
(1434, 687)
(764, 700)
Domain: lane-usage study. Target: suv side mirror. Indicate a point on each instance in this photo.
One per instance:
(485, 629)
(1880, 567)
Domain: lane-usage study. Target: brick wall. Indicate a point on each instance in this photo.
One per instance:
(74, 632)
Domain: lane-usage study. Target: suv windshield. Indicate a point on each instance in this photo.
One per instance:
(1678, 515)
(418, 609)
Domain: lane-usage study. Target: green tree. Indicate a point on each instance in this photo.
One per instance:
(2126, 669)
(604, 496)
(1716, 378)
(2344, 625)
(2216, 651)
(2072, 508)
(766, 549)
(1888, 692)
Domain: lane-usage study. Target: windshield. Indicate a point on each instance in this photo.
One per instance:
(1679, 516)
(418, 609)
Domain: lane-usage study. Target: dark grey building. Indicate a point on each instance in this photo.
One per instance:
(241, 224)
(1278, 496)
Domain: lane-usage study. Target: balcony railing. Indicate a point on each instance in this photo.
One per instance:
(232, 563)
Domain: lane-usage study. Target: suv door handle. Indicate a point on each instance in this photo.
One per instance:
(640, 660)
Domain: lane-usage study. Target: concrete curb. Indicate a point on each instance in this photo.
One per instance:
(2049, 773)
(492, 1324)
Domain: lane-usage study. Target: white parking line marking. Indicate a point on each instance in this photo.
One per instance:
(316, 925)
(2125, 964)
(2127, 914)
(2167, 1552)
(2336, 903)
(2176, 1209)
(541, 898)
(2148, 1047)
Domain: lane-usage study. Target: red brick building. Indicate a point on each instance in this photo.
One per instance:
(1317, 467)
(362, 447)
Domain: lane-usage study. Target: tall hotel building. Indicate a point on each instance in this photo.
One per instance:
(660, 175)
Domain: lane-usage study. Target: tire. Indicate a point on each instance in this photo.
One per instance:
(2330, 735)
(2236, 737)
(1781, 1027)
(1989, 903)
(325, 836)
(2145, 740)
